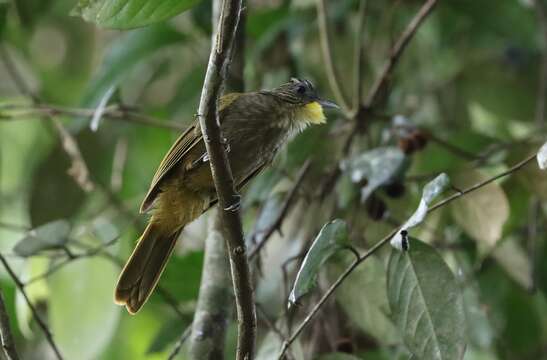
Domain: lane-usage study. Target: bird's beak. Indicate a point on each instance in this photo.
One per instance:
(327, 104)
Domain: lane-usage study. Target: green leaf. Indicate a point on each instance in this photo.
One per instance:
(124, 54)
(483, 212)
(332, 237)
(479, 331)
(426, 303)
(125, 14)
(104, 230)
(431, 190)
(515, 261)
(363, 299)
(52, 235)
(82, 315)
(376, 167)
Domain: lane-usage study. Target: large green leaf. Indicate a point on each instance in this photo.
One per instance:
(124, 14)
(52, 235)
(363, 298)
(332, 237)
(124, 54)
(426, 303)
(82, 315)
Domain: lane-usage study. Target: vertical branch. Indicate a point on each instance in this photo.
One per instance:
(215, 298)
(5, 333)
(229, 200)
(332, 74)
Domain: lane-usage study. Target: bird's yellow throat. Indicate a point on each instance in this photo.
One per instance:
(311, 113)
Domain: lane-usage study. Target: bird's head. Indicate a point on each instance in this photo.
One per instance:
(302, 100)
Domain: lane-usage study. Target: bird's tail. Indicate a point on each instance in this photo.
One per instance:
(143, 269)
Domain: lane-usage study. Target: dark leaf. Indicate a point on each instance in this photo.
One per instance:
(426, 303)
(52, 235)
(375, 168)
(332, 237)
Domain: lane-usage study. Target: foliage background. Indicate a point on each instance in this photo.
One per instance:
(470, 79)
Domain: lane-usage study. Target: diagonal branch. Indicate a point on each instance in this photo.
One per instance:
(228, 199)
(397, 51)
(359, 260)
(33, 310)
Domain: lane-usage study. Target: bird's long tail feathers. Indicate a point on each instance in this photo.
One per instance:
(143, 269)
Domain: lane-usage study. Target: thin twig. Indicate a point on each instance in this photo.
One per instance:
(397, 51)
(70, 257)
(228, 199)
(113, 112)
(384, 241)
(41, 323)
(332, 74)
(8, 344)
(285, 207)
(185, 335)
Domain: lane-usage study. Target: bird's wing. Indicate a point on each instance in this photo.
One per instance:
(185, 142)
(213, 201)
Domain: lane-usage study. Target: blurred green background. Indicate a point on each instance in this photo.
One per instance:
(469, 80)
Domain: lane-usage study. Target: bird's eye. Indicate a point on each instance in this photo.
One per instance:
(301, 89)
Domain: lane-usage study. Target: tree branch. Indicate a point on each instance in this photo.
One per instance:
(229, 200)
(5, 332)
(215, 298)
(384, 241)
(397, 51)
(114, 112)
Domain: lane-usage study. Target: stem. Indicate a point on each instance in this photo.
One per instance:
(229, 200)
(332, 74)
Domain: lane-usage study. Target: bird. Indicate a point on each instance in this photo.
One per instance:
(255, 126)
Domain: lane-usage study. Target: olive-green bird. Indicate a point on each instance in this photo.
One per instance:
(255, 125)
